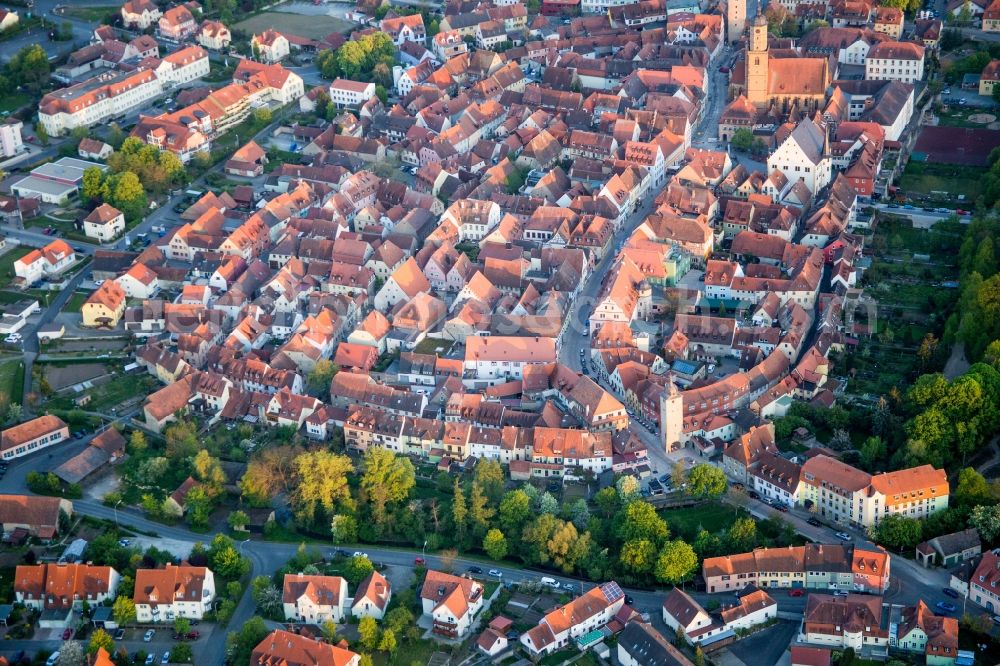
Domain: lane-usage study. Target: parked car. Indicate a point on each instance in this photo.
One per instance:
(119, 635)
(840, 593)
(150, 658)
(550, 582)
(166, 657)
(945, 607)
(796, 592)
(419, 561)
(629, 600)
(475, 570)
(753, 495)
(843, 536)
(67, 634)
(950, 592)
(814, 522)
(496, 573)
(148, 636)
(53, 658)
(358, 553)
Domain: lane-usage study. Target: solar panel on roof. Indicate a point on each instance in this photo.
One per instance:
(612, 592)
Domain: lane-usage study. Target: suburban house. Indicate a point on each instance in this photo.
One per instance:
(64, 586)
(140, 14)
(214, 35)
(924, 632)
(855, 621)
(32, 435)
(312, 599)
(270, 46)
(105, 223)
(948, 550)
(682, 613)
(348, 94)
(105, 307)
(284, 648)
(30, 515)
(813, 566)
(177, 24)
(48, 261)
(452, 602)
(372, 597)
(642, 645)
(587, 613)
(984, 585)
(161, 595)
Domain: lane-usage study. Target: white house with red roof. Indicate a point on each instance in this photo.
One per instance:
(50, 260)
(452, 602)
(586, 613)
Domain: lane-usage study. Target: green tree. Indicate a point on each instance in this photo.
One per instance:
(123, 611)
(986, 520)
(387, 642)
(182, 439)
(368, 632)
(209, 471)
(480, 511)
(30, 68)
(265, 596)
(181, 653)
(344, 528)
(318, 381)
(90, 189)
(566, 547)
(742, 139)
(241, 643)
(628, 488)
(676, 563)
(182, 625)
(358, 568)
(638, 556)
(459, 512)
(495, 544)
(742, 534)
(897, 531)
(491, 478)
(225, 560)
(972, 488)
(137, 442)
(387, 479)
(639, 520)
(706, 481)
(238, 520)
(127, 195)
(262, 116)
(872, 451)
(320, 484)
(606, 501)
(398, 619)
(515, 512)
(100, 639)
(198, 507)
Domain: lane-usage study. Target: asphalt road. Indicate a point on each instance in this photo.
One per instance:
(922, 219)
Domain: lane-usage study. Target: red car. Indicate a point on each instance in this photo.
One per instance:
(68, 634)
(418, 560)
(193, 635)
(796, 592)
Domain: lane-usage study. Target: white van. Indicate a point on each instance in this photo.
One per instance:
(53, 658)
(550, 582)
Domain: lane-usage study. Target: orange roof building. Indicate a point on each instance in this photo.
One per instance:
(451, 601)
(64, 586)
(372, 596)
(32, 435)
(174, 591)
(283, 648)
(314, 599)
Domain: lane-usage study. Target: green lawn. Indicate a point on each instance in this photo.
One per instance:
(713, 516)
(92, 14)
(12, 379)
(415, 652)
(11, 102)
(7, 260)
(921, 178)
(75, 302)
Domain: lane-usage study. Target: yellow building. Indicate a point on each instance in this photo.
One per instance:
(989, 78)
(105, 307)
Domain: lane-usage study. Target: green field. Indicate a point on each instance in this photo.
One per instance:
(311, 27)
(12, 379)
(922, 178)
(7, 260)
(92, 14)
(75, 302)
(11, 102)
(712, 516)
